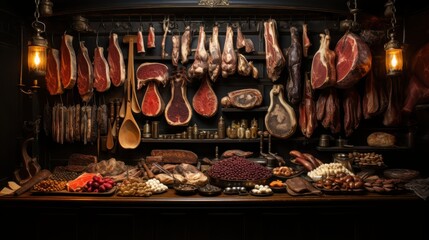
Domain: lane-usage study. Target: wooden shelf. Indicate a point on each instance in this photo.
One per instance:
(224, 140)
(361, 148)
(258, 109)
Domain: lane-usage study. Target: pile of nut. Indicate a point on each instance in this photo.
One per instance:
(50, 185)
(367, 159)
(284, 171)
(134, 187)
(383, 185)
(340, 182)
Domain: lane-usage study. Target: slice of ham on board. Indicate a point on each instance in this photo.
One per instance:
(85, 73)
(152, 75)
(205, 101)
(275, 61)
(353, 60)
(101, 71)
(280, 120)
(323, 69)
(116, 61)
(53, 78)
(178, 111)
(68, 62)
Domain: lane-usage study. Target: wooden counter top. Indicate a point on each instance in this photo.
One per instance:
(172, 199)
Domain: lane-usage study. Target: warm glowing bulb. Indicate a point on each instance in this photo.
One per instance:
(37, 59)
(394, 61)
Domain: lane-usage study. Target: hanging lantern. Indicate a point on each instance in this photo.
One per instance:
(37, 47)
(394, 59)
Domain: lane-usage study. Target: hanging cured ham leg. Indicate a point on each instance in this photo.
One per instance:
(68, 62)
(306, 44)
(307, 110)
(352, 110)
(200, 65)
(280, 119)
(215, 55)
(353, 60)
(116, 62)
(53, 79)
(294, 57)
(275, 61)
(323, 71)
(229, 57)
(205, 101)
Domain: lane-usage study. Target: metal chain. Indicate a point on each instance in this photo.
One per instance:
(38, 25)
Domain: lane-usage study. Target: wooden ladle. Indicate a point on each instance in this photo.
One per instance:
(129, 133)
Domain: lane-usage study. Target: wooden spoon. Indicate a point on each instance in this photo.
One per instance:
(129, 133)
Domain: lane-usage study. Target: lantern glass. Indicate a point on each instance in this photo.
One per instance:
(394, 61)
(37, 60)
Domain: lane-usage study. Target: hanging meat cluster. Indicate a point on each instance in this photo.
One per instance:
(339, 71)
(77, 123)
(332, 79)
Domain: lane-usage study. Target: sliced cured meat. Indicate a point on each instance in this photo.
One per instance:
(229, 57)
(275, 61)
(68, 62)
(178, 111)
(353, 60)
(101, 71)
(116, 61)
(323, 70)
(53, 78)
(246, 98)
(280, 120)
(152, 104)
(78, 183)
(85, 71)
(151, 71)
(205, 101)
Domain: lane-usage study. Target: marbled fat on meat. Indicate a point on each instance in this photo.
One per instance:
(116, 61)
(53, 78)
(68, 62)
(102, 80)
